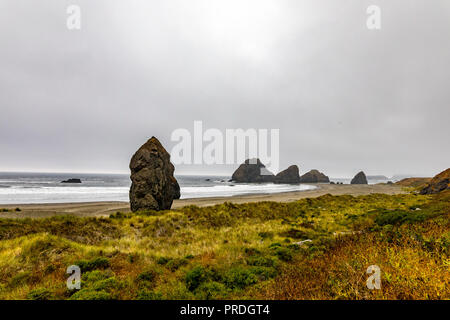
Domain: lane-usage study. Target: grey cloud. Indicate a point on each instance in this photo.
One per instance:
(344, 98)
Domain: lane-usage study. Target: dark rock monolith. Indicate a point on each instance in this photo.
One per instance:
(290, 175)
(153, 184)
(360, 178)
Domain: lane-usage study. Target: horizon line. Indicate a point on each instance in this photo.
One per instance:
(220, 174)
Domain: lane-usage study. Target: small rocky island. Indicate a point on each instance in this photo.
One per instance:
(153, 183)
(254, 171)
(72, 180)
(290, 175)
(360, 178)
(314, 176)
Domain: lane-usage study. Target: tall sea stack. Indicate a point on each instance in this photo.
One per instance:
(153, 184)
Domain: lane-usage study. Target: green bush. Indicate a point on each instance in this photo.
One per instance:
(96, 275)
(397, 217)
(90, 294)
(239, 278)
(284, 254)
(40, 294)
(108, 285)
(97, 263)
(211, 290)
(148, 275)
(175, 264)
(251, 251)
(266, 235)
(293, 246)
(162, 260)
(195, 277)
(262, 261)
(264, 273)
(145, 294)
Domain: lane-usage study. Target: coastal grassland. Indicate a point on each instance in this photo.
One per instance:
(236, 251)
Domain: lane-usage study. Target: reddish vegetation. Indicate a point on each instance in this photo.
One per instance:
(439, 183)
(413, 182)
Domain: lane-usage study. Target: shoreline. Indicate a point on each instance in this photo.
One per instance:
(105, 208)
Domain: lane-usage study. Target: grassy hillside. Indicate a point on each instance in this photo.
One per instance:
(234, 251)
(416, 183)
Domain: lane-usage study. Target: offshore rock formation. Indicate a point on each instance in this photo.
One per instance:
(314, 176)
(360, 178)
(153, 184)
(439, 183)
(72, 180)
(290, 175)
(252, 171)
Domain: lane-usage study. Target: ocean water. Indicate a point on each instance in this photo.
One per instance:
(20, 188)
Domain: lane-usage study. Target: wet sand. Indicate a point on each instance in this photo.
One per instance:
(104, 209)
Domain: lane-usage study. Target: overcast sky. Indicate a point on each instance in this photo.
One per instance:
(345, 98)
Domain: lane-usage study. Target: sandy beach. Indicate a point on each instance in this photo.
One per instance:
(104, 209)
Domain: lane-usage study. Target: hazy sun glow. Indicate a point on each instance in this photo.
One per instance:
(247, 29)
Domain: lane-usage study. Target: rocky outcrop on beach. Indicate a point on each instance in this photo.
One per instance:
(252, 171)
(314, 176)
(72, 180)
(439, 183)
(153, 184)
(290, 175)
(360, 178)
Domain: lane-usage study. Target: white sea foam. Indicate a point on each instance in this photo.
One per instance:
(45, 188)
(238, 189)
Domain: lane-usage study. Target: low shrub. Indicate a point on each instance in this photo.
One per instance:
(283, 254)
(239, 278)
(90, 294)
(162, 260)
(195, 277)
(266, 235)
(262, 261)
(95, 275)
(145, 294)
(148, 275)
(211, 290)
(89, 265)
(294, 233)
(175, 264)
(40, 294)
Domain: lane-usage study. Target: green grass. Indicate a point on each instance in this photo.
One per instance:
(227, 251)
